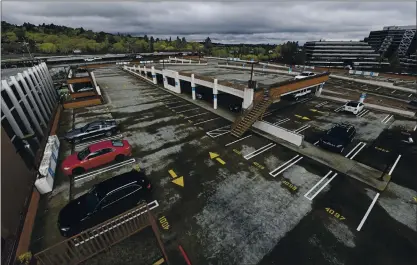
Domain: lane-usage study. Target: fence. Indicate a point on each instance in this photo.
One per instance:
(85, 245)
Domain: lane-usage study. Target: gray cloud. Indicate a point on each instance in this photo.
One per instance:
(231, 22)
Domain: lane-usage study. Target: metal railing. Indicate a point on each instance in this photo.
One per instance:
(90, 242)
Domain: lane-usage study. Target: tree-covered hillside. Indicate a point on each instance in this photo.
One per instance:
(54, 39)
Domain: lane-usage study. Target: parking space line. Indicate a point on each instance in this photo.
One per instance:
(259, 151)
(387, 118)
(362, 113)
(321, 104)
(97, 141)
(305, 127)
(172, 102)
(316, 142)
(196, 115)
(395, 164)
(318, 183)
(281, 121)
(361, 145)
(376, 89)
(179, 106)
(206, 121)
(238, 140)
(353, 149)
(415, 128)
(322, 187)
(410, 95)
(102, 170)
(272, 173)
(219, 131)
(393, 92)
(367, 213)
(186, 110)
(339, 108)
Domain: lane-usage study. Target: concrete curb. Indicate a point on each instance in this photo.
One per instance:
(376, 107)
(351, 168)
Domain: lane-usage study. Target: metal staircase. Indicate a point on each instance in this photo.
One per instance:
(249, 117)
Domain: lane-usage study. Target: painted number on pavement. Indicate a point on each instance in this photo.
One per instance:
(289, 185)
(335, 214)
(237, 152)
(258, 165)
(164, 222)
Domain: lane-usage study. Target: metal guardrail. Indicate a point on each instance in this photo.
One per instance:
(89, 243)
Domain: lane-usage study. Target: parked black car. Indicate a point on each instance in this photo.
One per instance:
(104, 201)
(235, 107)
(337, 137)
(93, 129)
(412, 105)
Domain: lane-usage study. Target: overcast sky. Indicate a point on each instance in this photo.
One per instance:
(231, 22)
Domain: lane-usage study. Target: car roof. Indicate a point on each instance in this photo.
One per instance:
(101, 145)
(343, 125)
(118, 181)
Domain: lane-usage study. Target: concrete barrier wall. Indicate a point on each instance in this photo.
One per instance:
(279, 132)
(260, 69)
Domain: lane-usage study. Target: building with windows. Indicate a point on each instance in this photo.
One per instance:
(342, 54)
(394, 39)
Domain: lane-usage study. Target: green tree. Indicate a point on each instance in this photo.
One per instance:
(118, 47)
(11, 36)
(48, 47)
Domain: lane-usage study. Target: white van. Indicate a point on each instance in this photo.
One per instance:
(304, 92)
(304, 75)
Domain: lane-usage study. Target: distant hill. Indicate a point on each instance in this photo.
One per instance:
(61, 40)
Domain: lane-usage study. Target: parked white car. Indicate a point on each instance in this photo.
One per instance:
(89, 59)
(97, 58)
(304, 75)
(353, 106)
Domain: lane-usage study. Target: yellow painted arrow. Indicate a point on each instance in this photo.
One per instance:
(313, 110)
(172, 173)
(179, 181)
(220, 161)
(415, 198)
(305, 118)
(213, 155)
(298, 116)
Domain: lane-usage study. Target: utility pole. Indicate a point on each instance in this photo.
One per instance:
(27, 47)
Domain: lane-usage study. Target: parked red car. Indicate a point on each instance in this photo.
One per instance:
(96, 155)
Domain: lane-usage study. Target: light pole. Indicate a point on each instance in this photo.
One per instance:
(27, 47)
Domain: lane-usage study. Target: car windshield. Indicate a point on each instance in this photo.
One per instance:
(305, 74)
(83, 153)
(352, 104)
(337, 132)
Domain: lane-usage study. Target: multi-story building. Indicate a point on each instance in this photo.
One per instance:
(340, 54)
(394, 39)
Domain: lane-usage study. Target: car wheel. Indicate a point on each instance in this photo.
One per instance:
(109, 133)
(78, 171)
(119, 158)
(76, 141)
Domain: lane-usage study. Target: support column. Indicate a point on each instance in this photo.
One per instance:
(215, 94)
(140, 70)
(144, 70)
(319, 90)
(177, 83)
(248, 94)
(134, 68)
(153, 75)
(193, 86)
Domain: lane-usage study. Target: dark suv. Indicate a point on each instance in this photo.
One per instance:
(104, 201)
(338, 137)
(93, 129)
